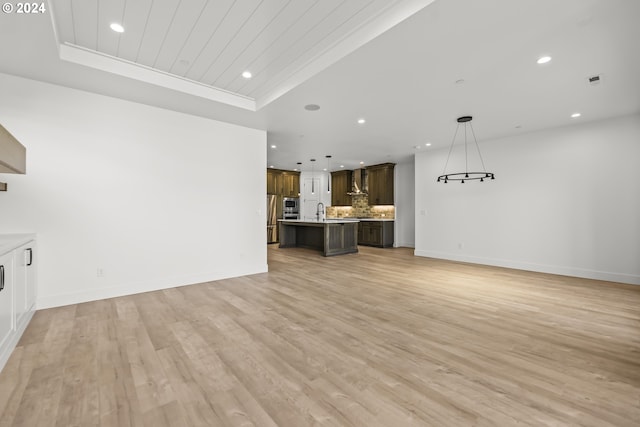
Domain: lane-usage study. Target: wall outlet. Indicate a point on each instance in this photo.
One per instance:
(100, 272)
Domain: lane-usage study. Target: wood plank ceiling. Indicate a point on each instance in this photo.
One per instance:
(214, 42)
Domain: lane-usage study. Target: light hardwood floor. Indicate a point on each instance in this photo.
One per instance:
(379, 338)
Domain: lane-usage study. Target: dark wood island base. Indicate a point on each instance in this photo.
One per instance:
(332, 237)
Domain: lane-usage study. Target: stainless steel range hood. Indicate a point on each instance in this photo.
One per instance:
(360, 182)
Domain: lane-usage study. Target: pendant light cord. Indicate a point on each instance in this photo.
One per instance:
(466, 158)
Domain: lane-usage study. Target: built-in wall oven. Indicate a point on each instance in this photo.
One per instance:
(291, 208)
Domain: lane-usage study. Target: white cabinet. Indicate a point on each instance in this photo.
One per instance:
(19, 287)
(6, 299)
(24, 281)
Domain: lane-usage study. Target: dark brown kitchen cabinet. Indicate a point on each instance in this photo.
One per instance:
(274, 181)
(13, 155)
(283, 183)
(290, 184)
(340, 186)
(381, 184)
(375, 233)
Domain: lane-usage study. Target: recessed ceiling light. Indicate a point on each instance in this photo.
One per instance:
(247, 74)
(428, 144)
(273, 146)
(312, 107)
(325, 169)
(362, 163)
(361, 121)
(341, 166)
(295, 169)
(574, 115)
(271, 166)
(543, 59)
(117, 27)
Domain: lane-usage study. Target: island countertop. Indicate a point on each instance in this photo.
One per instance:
(326, 221)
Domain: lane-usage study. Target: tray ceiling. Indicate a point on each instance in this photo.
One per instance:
(202, 47)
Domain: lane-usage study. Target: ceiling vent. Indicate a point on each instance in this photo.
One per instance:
(594, 80)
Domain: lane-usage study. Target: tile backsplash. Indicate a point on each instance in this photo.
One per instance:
(360, 209)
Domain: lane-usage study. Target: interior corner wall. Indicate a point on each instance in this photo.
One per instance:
(151, 198)
(564, 201)
(404, 191)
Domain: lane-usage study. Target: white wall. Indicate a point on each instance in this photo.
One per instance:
(308, 202)
(564, 201)
(404, 191)
(153, 197)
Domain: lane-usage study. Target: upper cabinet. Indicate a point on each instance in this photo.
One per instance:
(340, 186)
(381, 184)
(283, 183)
(274, 181)
(13, 155)
(290, 184)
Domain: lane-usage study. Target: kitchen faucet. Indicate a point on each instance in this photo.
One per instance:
(320, 212)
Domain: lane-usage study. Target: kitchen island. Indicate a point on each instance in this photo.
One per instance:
(331, 237)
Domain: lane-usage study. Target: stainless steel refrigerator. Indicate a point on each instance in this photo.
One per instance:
(272, 218)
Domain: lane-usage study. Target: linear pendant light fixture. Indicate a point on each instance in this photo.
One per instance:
(328, 174)
(313, 175)
(466, 175)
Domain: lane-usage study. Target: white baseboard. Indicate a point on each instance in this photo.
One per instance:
(50, 301)
(540, 268)
(404, 245)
